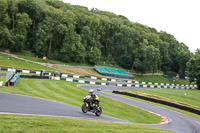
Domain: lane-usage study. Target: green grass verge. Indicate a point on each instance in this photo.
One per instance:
(33, 58)
(68, 92)
(40, 124)
(9, 61)
(165, 106)
(181, 95)
(158, 79)
(40, 60)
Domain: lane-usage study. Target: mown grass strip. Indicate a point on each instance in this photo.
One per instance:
(161, 100)
(161, 105)
(159, 79)
(186, 96)
(27, 123)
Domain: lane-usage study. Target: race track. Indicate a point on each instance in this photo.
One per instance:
(20, 104)
(179, 122)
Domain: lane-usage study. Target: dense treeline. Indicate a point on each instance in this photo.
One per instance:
(75, 34)
(193, 68)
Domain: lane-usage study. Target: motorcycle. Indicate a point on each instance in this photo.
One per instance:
(91, 106)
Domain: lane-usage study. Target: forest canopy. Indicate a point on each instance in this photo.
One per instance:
(72, 33)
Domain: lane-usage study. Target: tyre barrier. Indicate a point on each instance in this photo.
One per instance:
(183, 106)
(156, 86)
(79, 81)
(34, 76)
(99, 78)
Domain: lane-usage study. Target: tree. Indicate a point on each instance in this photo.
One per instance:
(183, 58)
(165, 57)
(139, 63)
(125, 61)
(152, 58)
(20, 31)
(172, 45)
(94, 56)
(4, 32)
(12, 11)
(3, 15)
(193, 68)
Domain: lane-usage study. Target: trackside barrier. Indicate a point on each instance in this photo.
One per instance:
(78, 81)
(137, 83)
(155, 86)
(63, 75)
(99, 78)
(34, 76)
(162, 84)
(185, 107)
(39, 72)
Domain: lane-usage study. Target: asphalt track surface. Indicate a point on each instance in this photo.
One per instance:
(178, 122)
(20, 104)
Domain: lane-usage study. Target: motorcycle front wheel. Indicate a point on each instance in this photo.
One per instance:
(84, 108)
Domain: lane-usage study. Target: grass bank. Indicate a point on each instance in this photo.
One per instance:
(9, 61)
(68, 92)
(33, 58)
(22, 123)
(76, 70)
(158, 79)
(165, 106)
(180, 95)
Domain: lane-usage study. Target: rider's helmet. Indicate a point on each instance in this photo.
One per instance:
(91, 92)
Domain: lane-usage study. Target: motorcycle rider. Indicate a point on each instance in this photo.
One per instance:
(91, 103)
(93, 98)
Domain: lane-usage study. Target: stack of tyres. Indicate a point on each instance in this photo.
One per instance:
(34, 76)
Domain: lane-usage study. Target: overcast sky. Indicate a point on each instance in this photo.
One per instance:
(180, 18)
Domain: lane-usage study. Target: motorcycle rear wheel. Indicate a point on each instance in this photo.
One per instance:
(84, 108)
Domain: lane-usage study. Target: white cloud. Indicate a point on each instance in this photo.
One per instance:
(177, 17)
